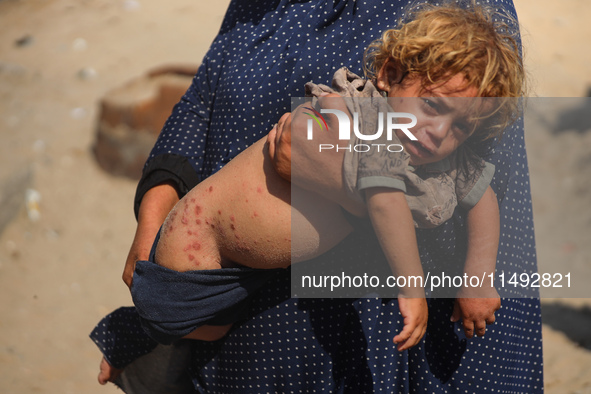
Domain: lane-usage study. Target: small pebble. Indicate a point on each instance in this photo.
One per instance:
(87, 73)
(79, 44)
(24, 41)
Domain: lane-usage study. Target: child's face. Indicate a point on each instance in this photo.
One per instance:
(443, 123)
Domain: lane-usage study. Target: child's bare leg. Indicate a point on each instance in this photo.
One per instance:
(242, 215)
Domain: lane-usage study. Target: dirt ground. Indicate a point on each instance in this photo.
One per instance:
(61, 273)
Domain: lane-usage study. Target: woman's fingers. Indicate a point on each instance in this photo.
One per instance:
(271, 141)
(279, 145)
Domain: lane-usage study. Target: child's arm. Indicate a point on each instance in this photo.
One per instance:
(476, 306)
(393, 223)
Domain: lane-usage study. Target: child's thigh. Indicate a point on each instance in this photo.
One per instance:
(241, 214)
(317, 224)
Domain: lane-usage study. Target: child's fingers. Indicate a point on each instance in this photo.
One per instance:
(405, 334)
(413, 339)
(480, 331)
(468, 328)
(404, 345)
(410, 342)
(410, 335)
(480, 328)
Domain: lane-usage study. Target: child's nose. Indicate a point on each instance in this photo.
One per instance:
(439, 129)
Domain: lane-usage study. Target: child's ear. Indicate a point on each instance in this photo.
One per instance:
(388, 76)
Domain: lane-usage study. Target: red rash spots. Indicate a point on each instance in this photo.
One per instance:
(254, 214)
(219, 211)
(210, 189)
(188, 247)
(192, 200)
(232, 218)
(198, 221)
(232, 227)
(259, 189)
(197, 209)
(191, 257)
(196, 246)
(184, 220)
(189, 232)
(243, 248)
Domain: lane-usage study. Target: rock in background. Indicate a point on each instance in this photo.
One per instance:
(131, 117)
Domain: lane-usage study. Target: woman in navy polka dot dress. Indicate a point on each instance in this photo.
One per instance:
(319, 345)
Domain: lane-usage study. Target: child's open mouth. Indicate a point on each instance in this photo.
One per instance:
(421, 150)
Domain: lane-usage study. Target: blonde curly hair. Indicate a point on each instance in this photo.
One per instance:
(438, 42)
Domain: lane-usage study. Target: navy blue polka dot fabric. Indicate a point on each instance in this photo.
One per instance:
(263, 55)
(121, 338)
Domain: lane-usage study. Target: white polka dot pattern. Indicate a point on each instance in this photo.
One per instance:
(263, 55)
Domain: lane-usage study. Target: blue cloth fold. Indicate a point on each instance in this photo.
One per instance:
(120, 337)
(172, 304)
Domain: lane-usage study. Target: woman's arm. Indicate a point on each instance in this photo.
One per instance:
(171, 169)
(154, 208)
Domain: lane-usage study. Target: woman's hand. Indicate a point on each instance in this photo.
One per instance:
(298, 159)
(279, 140)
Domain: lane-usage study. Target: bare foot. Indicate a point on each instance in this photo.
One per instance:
(108, 373)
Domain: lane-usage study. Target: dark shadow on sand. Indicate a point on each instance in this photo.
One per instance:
(575, 322)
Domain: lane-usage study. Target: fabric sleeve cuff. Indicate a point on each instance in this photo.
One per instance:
(171, 168)
(380, 181)
(476, 193)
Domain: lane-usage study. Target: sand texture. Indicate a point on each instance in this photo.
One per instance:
(61, 273)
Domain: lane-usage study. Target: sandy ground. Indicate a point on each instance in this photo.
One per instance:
(61, 273)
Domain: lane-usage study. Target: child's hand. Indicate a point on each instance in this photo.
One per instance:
(476, 313)
(415, 312)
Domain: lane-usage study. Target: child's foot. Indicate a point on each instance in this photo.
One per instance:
(108, 373)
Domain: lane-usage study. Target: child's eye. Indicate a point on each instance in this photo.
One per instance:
(430, 105)
(465, 128)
